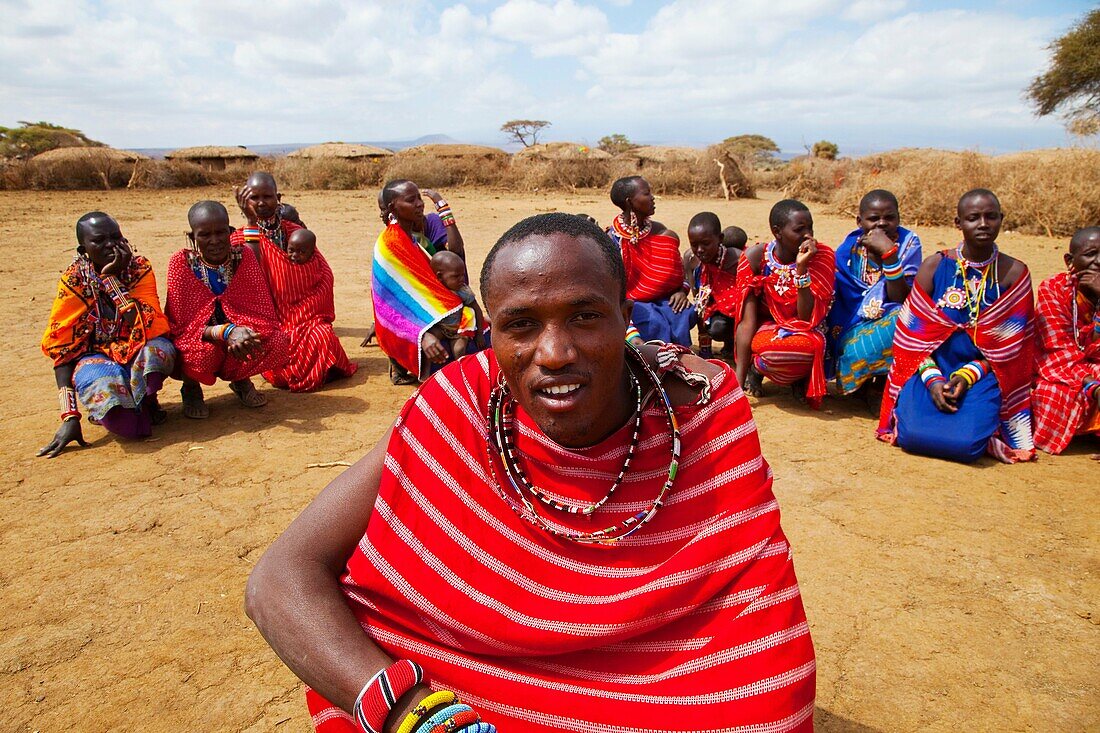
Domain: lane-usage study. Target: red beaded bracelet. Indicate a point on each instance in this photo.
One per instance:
(382, 692)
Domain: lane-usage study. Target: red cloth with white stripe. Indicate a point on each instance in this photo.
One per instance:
(1064, 362)
(693, 623)
(246, 302)
(304, 301)
(654, 268)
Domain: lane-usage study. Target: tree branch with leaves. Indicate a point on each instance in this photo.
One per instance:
(525, 132)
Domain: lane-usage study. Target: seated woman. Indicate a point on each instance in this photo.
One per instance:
(1067, 388)
(106, 337)
(785, 288)
(301, 284)
(221, 314)
(409, 300)
(654, 269)
(714, 279)
(875, 267)
(961, 378)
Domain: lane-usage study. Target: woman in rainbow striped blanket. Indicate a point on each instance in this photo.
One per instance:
(961, 378)
(409, 300)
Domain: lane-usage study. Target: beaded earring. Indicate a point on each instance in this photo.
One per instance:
(392, 218)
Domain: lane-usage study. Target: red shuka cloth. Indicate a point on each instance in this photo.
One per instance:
(246, 302)
(654, 268)
(780, 298)
(304, 301)
(724, 297)
(1063, 362)
(693, 623)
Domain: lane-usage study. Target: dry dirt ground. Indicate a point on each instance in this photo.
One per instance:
(942, 597)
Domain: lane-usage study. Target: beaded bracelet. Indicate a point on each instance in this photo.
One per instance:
(445, 214)
(251, 234)
(1091, 388)
(479, 727)
(66, 397)
(382, 692)
(971, 372)
(930, 374)
(893, 271)
(889, 254)
(449, 719)
(228, 330)
(802, 281)
(431, 702)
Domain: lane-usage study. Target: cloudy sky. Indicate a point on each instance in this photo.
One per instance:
(868, 74)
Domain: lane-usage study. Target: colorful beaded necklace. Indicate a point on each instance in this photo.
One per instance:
(225, 270)
(632, 231)
(976, 291)
(784, 274)
(273, 229)
(501, 445)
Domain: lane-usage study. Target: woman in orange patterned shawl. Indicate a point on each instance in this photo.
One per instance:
(106, 337)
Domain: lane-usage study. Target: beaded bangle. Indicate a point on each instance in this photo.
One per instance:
(802, 281)
(381, 693)
(893, 271)
(441, 204)
(66, 398)
(445, 214)
(930, 374)
(1091, 388)
(119, 297)
(431, 702)
(970, 372)
(479, 727)
(228, 330)
(251, 234)
(449, 719)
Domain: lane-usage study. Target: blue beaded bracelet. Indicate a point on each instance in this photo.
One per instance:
(442, 716)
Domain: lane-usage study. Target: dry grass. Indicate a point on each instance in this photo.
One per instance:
(1050, 192)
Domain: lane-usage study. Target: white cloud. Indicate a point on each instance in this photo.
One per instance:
(559, 29)
(872, 11)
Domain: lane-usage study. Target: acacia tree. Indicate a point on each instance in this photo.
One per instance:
(825, 149)
(523, 131)
(758, 149)
(1072, 83)
(615, 144)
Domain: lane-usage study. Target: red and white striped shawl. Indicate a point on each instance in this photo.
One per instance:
(303, 295)
(694, 623)
(1064, 361)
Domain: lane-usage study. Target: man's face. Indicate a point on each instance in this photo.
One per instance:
(210, 230)
(705, 244)
(641, 201)
(558, 334)
(264, 198)
(101, 240)
(880, 215)
(979, 219)
(1084, 253)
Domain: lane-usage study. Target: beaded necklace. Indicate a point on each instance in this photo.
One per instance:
(632, 231)
(869, 272)
(501, 444)
(784, 274)
(103, 313)
(273, 229)
(225, 270)
(976, 291)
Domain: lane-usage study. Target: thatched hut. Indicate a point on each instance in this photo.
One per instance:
(455, 152)
(214, 157)
(343, 151)
(648, 155)
(560, 151)
(85, 167)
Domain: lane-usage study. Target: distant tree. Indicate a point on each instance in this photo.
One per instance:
(1072, 83)
(525, 132)
(32, 138)
(757, 148)
(615, 144)
(825, 149)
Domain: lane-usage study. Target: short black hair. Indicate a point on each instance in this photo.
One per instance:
(545, 225)
(876, 196)
(263, 176)
(733, 236)
(623, 189)
(88, 217)
(975, 193)
(204, 207)
(783, 210)
(1082, 234)
(706, 219)
(389, 191)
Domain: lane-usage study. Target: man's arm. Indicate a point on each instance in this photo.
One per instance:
(294, 596)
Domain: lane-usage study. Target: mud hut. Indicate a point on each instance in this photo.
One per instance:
(439, 165)
(455, 152)
(85, 167)
(214, 157)
(560, 151)
(343, 151)
(649, 155)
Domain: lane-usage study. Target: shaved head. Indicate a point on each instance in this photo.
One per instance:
(92, 217)
(205, 210)
(1081, 236)
(262, 178)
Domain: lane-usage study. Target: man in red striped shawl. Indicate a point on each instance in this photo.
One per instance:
(1067, 387)
(301, 285)
(558, 534)
(654, 269)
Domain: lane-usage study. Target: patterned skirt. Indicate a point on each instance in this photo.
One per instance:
(104, 384)
(782, 359)
(866, 350)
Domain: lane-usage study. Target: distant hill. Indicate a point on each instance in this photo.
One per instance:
(284, 148)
